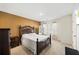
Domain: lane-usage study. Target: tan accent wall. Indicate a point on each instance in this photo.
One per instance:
(13, 22)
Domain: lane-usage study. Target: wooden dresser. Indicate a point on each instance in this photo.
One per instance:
(4, 41)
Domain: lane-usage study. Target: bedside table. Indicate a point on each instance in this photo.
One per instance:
(14, 41)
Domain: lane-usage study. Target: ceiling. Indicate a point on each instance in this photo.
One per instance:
(39, 11)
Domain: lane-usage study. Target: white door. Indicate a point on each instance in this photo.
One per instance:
(78, 37)
(74, 31)
(54, 30)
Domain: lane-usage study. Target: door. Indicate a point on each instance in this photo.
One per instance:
(78, 37)
(74, 31)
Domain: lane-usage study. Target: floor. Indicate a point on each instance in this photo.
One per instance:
(56, 48)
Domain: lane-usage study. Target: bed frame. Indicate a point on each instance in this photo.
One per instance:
(40, 45)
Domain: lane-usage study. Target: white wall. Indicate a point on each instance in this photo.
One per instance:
(64, 31)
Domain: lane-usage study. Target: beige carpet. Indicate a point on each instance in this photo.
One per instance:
(56, 48)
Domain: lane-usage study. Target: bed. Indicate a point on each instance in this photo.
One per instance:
(34, 42)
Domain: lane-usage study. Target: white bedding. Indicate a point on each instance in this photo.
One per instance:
(34, 36)
(29, 40)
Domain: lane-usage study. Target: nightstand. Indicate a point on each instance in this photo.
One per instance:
(14, 41)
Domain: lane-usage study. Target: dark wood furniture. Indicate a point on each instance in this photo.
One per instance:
(25, 29)
(4, 41)
(14, 41)
(70, 51)
(40, 45)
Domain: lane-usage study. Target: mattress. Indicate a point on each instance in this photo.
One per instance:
(34, 37)
(29, 41)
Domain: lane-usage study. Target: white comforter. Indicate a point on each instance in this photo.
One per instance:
(29, 40)
(34, 36)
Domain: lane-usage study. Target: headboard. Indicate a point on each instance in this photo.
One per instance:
(25, 30)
